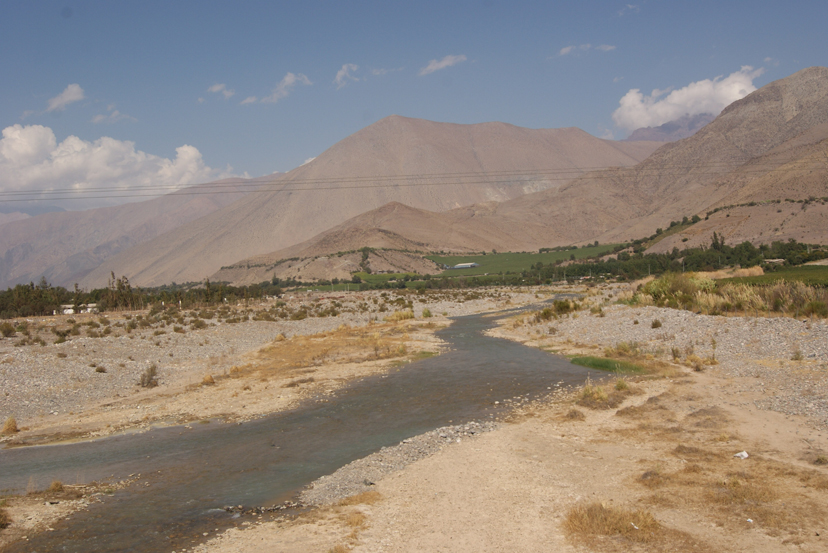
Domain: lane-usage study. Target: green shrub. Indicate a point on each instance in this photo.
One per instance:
(7, 329)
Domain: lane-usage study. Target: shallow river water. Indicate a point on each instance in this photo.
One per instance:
(188, 475)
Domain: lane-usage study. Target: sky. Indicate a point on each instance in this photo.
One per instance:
(124, 95)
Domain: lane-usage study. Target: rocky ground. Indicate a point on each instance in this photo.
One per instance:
(90, 384)
(665, 448)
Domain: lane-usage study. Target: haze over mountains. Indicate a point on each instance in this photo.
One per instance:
(410, 184)
(65, 246)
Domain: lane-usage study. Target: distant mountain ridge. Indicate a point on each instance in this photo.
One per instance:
(64, 246)
(419, 163)
(769, 146)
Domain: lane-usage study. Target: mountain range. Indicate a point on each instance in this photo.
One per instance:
(416, 185)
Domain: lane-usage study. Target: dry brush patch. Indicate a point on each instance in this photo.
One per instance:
(287, 358)
(608, 528)
(699, 477)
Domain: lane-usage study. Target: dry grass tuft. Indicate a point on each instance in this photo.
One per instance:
(596, 519)
(10, 426)
(208, 380)
(653, 478)
(364, 498)
(5, 519)
(574, 415)
(339, 548)
(595, 397)
(56, 486)
(356, 519)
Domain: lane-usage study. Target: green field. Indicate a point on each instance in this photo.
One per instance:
(815, 275)
(514, 262)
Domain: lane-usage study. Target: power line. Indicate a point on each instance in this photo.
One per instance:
(282, 184)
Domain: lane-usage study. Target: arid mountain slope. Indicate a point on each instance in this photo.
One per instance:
(65, 246)
(427, 165)
(771, 145)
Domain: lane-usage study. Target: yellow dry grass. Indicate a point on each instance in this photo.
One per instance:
(286, 358)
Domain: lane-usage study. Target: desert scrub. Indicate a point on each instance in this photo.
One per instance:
(655, 324)
(149, 377)
(596, 519)
(7, 329)
(10, 426)
(426, 313)
(400, 316)
(5, 519)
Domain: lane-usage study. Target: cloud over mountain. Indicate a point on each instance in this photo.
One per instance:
(706, 96)
(33, 162)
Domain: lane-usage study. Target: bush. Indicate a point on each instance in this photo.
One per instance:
(426, 313)
(5, 519)
(656, 323)
(7, 329)
(148, 378)
(10, 426)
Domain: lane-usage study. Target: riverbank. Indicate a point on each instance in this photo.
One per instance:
(130, 371)
(230, 367)
(665, 454)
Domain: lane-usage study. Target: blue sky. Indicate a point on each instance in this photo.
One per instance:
(154, 92)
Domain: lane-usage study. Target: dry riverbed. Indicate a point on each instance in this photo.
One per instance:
(649, 465)
(87, 376)
(644, 464)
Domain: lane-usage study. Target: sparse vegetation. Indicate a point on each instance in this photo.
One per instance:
(149, 377)
(10, 426)
(605, 364)
(596, 519)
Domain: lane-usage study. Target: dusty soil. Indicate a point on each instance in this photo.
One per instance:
(665, 451)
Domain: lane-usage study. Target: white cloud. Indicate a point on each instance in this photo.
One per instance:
(630, 8)
(72, 93)
(308, 160)
(284, 87)
(343, 76)
(707, 96)
(572, 49)
(435, 65)
(201, 100)
(113, 117)
(31, 160)
(249, 100)
(222, 88)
